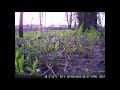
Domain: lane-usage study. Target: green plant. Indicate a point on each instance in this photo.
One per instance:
(19, 52)
(66, 47)
(16, 48)
(51, 47)
(57, 46)
(71, 52)
(90, 51)
(86, 72)
(81, 50)
(54, 51)
(29, 58)
(98, 36)
(33, 70)
(19, 63)
(92, 36)
(69, 59)
(59, 55)
(73, 49)
(79, 32)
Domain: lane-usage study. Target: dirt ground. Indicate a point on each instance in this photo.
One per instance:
(95, 64)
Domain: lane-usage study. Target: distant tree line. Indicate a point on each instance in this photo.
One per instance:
(87, 18)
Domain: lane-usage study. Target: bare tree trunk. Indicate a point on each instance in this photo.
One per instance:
(31, 23)
(80, 17)
(88, 19)
(21, 25)
(40, 18)
(69, 19)
(74, 19)
(45, 20)
(67, 16)
(27, 22)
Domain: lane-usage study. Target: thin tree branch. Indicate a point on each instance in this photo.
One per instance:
(44, 72)
(51, 70)
(65, 66)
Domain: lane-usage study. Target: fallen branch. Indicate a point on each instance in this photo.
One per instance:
(93, 63)
(51, 70)
(60, 59)
(65, 66)
(44, 72)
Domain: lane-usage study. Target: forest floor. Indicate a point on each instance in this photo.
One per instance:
(95, 64)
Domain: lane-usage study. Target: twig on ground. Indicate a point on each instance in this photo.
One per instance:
(65, 66)
(44, 72)
(93, 63)
(51, 70)
(90, 70)
(60, 59)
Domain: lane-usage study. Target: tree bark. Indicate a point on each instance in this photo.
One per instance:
(40, 18)
(88, 19)
(21, 25)
(31, 23)
(69, 19)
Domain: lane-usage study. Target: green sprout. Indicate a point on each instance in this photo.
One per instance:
(57, 46)
(66, 47)
(86, 72)
(19, 63)
(81, 50)
(69, 59)
(34, 69)
(92, 36)
(28, 58)
(59, 55)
